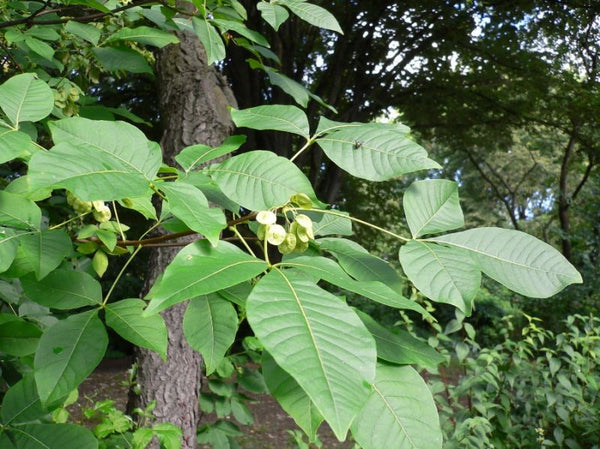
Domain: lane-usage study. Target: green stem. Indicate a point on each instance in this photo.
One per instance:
(118, 222)
(114, 284)
(242, 239)
(365, 223)
(266, 251)
(308, 143)
(67, 221)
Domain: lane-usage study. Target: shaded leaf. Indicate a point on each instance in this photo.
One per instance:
(114, 59)
(273, 117)
(21, 402)
(360, 264)
(400, 347)
(145, 35)
(292, 398)
(44, 251)
(53, 436)
(19, 337)
(274, 15)
(68, 352)
(18, 212)
(209, 325)
(210, 38)
(63, 289)
(190, 205)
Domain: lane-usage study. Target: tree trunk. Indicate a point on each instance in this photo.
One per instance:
(564, 200)
(193, 100)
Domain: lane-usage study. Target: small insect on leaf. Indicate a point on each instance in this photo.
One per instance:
(357, 144)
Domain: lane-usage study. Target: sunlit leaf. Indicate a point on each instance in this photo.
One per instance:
(24, 98)
(210, 38)
(443, 274)
(200, 269)
(517, 260)
(145, 35)
(260, 180)
(432, 206)
(337, 356)
(376, 152)
(125, 317)
(400, 413)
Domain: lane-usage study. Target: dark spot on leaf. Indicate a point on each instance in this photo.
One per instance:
(57, 350)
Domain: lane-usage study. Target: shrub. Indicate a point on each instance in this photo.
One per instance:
(540, 391)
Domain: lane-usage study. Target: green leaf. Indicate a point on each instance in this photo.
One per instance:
(328, 224)
(83, 30)
(21, 402)
(209, 325)
(400, 413)
(44, 251)
(108, 238)
(190, 205)
(100, 262)
(19, 338)
(18, 212)
(23, 98)
(168, 434)
(13, 144)
(400, 347)
(68, 352)
(375, 151)
(313, 14)
(200, 269)
(242, 30)
(432, 206)
(96, 160)
(126, 318)
(211, 190)
(361, 265)
(289, 119)
(8, 247)
(319, 340)
(144, 35)
(53, 436)
(331, 272)
(443, 274)
(274, 15)
(292, 398)
(63, 290)
(142, 204)
(297, 91)
(194, 156)
(211, 40)
(517, 260)
(39, 47)
(260, 180)
(114, 59)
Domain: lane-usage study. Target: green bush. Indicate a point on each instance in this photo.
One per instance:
(541, 391)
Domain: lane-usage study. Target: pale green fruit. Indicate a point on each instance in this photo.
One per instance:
(302, 200)
(261, 232)
(266, 217)
(301, 246)
(288, 245)
(304, 221)
(275, 234)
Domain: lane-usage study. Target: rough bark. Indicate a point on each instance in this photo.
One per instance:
(193, 100)
(564, 201)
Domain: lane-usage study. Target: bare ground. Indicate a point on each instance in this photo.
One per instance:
(269, 431)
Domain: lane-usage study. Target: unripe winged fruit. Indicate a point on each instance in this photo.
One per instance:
(102, 212)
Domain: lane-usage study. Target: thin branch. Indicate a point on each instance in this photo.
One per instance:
(156, 241)
(30, 20)
(586, 175)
